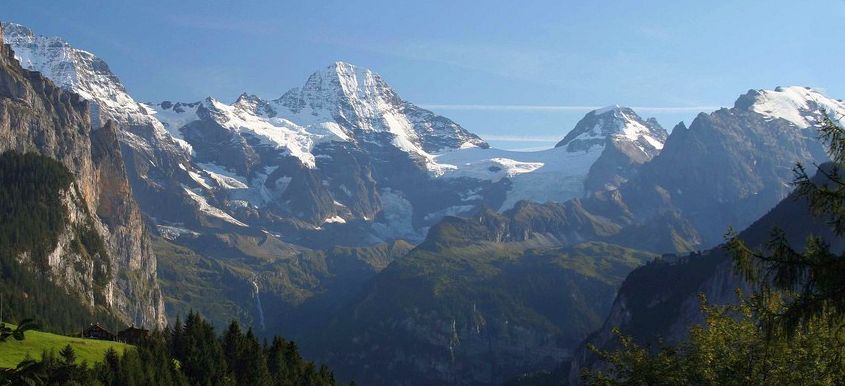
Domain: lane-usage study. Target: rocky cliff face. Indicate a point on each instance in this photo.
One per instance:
(37, 116)
(733, 165)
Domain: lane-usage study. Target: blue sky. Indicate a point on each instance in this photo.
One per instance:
(513, 72)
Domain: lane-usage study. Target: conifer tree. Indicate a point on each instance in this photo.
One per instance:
(253, 361)
(68, 355)
(811, 281)
(232, 348)
(276, 363)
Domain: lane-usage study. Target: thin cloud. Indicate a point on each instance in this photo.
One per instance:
(657, 109)
(223, 25)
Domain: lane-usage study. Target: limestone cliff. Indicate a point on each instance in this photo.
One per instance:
(38, 117)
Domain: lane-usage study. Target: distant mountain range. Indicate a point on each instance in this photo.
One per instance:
(431, 257)
(728, 168)
(343, 149)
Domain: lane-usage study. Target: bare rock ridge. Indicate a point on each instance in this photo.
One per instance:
(37, 116)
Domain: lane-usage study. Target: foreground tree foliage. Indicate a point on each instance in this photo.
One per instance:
(27, 372)
(17, 333)
(790, 332)
(731, 348)
(189, 354)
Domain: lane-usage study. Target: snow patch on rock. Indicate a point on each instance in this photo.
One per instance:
(211, 210)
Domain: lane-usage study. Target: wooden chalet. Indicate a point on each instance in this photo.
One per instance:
(96, 331)
(133, 335)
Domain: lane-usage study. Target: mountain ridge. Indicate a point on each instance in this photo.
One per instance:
(727, 168)
(660, 300)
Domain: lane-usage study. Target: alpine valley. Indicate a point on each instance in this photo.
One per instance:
(390, 242)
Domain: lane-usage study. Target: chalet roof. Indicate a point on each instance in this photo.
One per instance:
(95, 326)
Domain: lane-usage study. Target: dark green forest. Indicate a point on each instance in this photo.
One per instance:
(31, 210)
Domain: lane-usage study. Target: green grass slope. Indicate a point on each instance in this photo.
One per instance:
(91, 351)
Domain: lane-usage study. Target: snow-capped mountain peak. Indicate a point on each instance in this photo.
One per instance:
(341, 102)
(359, 100)
(89, 76)
(51, 56)
(614, 123)
(354, 82)
(345, 82)
(607, 109)
(356, 99)
(800, 106)
(79, 71)
(340, 88)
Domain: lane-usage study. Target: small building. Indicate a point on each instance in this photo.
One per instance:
(96, 331)
(133, 335)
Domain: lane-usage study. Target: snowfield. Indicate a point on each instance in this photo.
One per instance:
(547, 175)
(798, 105)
